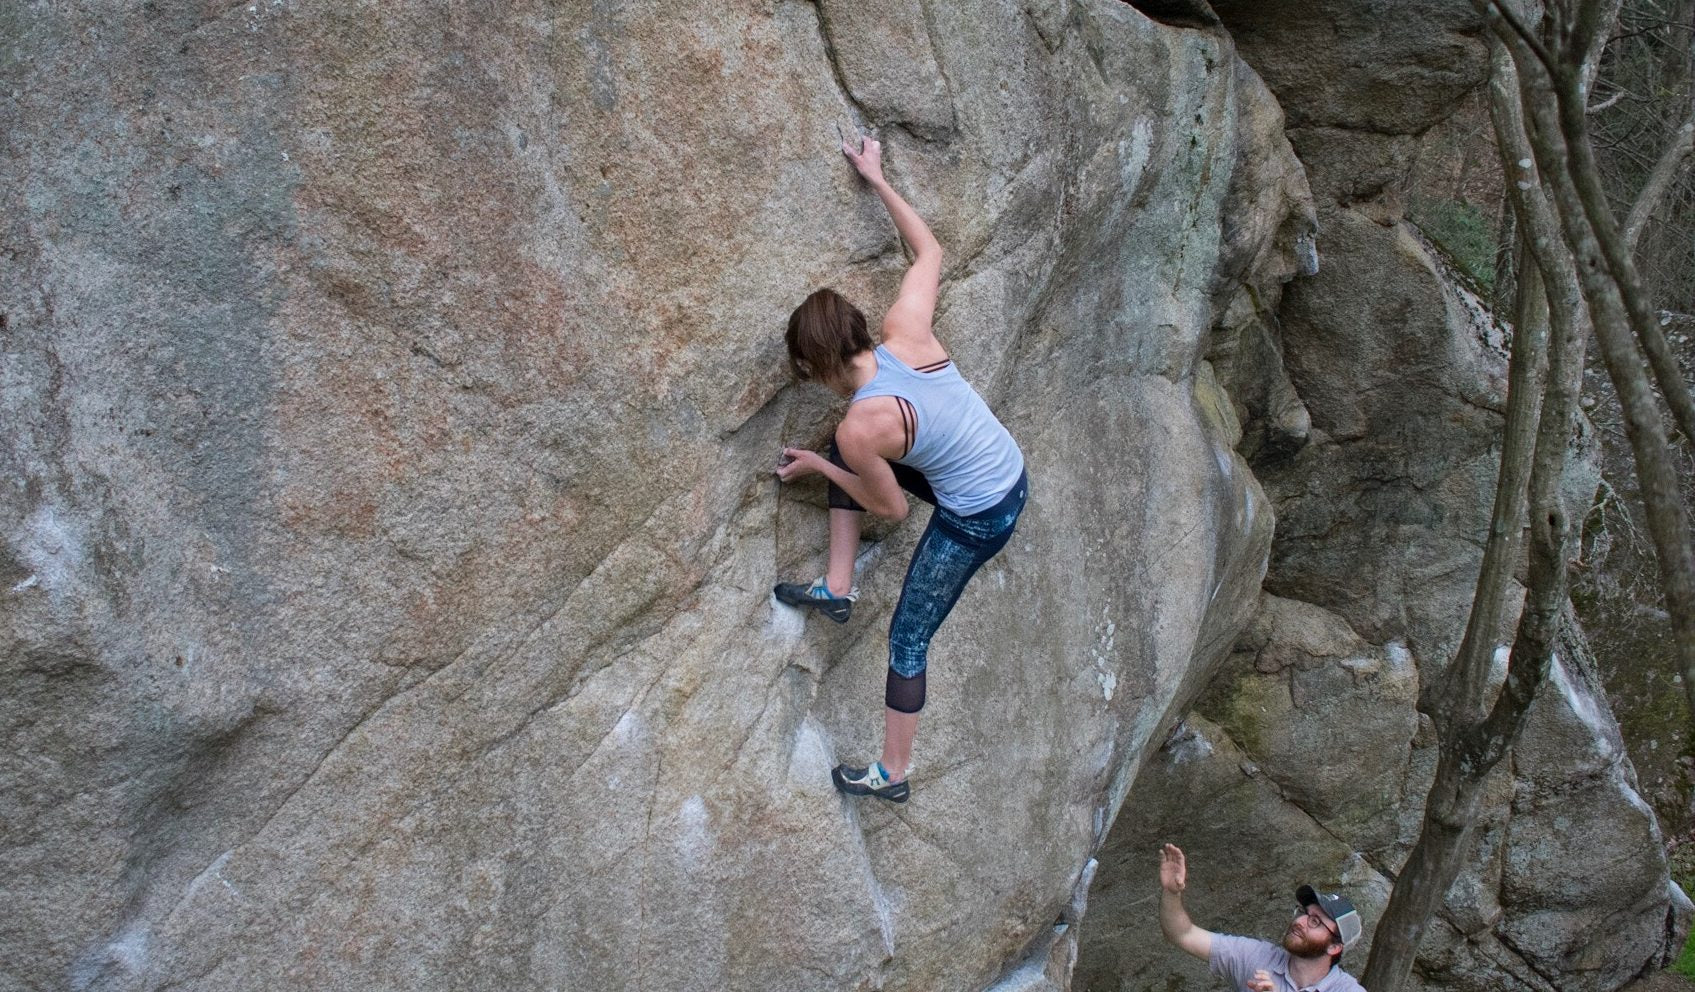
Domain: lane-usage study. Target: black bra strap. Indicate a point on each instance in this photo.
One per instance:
(909, 421)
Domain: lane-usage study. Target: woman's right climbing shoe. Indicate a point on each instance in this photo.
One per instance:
(870, 781)
(819, 597)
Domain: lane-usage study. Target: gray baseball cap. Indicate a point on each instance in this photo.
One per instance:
(1338, 908)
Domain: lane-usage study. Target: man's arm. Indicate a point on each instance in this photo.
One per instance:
(1174, 920)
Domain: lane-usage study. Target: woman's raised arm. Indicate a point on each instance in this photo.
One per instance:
(913, 309)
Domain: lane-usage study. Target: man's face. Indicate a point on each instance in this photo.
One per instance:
(1311, 934)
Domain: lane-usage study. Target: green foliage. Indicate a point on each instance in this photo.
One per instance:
(1463, 233)
(1683, 872)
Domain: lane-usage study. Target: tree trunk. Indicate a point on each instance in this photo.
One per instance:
(1424, 880)
(1614, 307)
(1473, 744)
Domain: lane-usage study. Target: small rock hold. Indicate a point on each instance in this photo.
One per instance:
(1360, 667)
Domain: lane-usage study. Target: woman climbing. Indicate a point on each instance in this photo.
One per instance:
(913, 424)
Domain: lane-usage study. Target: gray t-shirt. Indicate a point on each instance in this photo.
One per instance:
(1237, 958)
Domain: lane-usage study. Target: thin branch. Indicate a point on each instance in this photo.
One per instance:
(1595, 22)
(1460, 697)
(1596, 108)
(1612, 288)
(1549, 529)
(1551, 534)
(1604, 226)
(1494, 9)
(1665, 172)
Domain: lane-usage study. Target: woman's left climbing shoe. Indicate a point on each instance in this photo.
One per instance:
(819, 597)
(872, 781)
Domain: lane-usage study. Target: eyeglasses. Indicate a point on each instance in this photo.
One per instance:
(1316, 922)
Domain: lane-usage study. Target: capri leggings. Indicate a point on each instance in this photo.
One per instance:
(948, 555)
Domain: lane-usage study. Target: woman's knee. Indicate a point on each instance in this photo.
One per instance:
(907, 657)
(904, 694)
(838, 497)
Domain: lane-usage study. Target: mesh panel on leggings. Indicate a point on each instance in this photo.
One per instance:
(904, 694)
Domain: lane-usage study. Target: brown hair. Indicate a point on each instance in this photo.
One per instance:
(825, 332)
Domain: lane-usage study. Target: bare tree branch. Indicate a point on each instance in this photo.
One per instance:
(1563, 249)
(1596, 108)
(1493, 9)
(1474, 733)
(1665, 171)
(1460, 696)
(1551, 534)
(1618, 305)
(1629, 291)
(1590, 31)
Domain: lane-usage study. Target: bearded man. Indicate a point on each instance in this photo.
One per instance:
(1325, 925)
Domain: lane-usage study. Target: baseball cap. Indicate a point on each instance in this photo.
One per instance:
(1338, 908)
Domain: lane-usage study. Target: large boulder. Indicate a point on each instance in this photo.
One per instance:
(1380, 456)
(1307, 762)
(1360, 80)
(392, 394)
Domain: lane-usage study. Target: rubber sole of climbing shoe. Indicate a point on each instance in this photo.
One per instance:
(837, 608)
(853, 782)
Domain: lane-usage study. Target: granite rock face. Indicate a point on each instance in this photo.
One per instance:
(392, 395)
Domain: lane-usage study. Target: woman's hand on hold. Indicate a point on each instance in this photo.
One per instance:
(798, 463)
(868, 160)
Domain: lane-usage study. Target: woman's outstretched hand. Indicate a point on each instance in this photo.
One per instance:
(798, 463)
(868, 159)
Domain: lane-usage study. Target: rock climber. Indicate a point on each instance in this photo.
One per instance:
(1325, 925)
(913, 423)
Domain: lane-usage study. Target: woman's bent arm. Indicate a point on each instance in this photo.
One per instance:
(862, 439)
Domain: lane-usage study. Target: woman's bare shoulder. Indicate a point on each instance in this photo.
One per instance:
(912, 341)
(874, 423)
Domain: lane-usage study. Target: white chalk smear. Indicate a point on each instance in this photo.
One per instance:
(809, 764)
(52, 547)
(694, 840)
(785, 624)
(1582, 704)
(628, 727)
(1225, 464)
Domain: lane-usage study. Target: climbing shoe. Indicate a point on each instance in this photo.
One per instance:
(869, 782)
(819, 597)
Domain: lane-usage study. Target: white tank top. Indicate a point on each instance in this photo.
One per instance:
(966, 455)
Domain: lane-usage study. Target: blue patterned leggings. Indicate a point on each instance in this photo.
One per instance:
(951, 551)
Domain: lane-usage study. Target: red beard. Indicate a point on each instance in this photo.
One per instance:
(1297, 940)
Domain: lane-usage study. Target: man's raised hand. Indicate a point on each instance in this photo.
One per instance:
(1173, 872)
